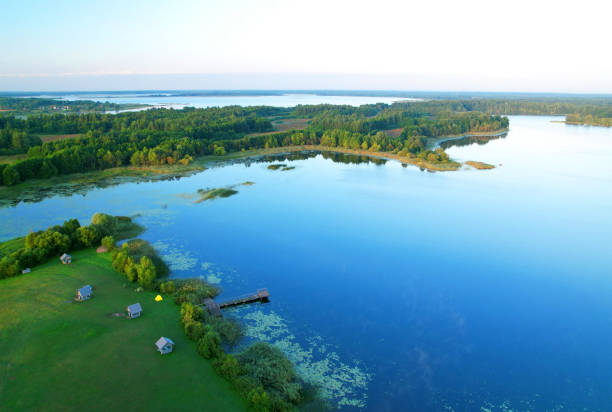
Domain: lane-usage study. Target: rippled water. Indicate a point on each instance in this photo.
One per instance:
(398, 289)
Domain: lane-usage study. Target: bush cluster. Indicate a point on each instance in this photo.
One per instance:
(141, 270)
(56, 240)
(261, 373)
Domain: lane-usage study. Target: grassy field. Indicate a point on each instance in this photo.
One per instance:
(60, 355)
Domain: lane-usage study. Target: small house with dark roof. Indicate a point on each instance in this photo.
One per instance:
(83, 293)
(66, 258)
(164, 345)
(134, 311)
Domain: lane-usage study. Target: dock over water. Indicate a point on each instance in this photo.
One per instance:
(214, 308)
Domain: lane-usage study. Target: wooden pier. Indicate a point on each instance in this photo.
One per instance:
(214, 308)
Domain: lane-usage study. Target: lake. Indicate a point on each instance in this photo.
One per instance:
(277, 99)
(399, 289)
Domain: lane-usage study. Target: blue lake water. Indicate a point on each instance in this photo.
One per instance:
(398, 289)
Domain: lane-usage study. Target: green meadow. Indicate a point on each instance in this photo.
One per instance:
(57, 354)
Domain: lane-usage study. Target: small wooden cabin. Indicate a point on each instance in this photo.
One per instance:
(83, 293)
(66, 258)
(134, 311)
(164, 345)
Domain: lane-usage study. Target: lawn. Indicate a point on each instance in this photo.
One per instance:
(10, 246)
(61, 355)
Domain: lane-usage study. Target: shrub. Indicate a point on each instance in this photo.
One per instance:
(194, 330)
(167, 287)
(209, 346)
(259, 400)
(191, 313)
(108, 242)
(230, 330)
(227, 366)
(272, 370)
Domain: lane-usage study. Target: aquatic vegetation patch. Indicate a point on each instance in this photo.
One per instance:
(177, 259)
(213, 278)
(209, 194)
(213, 193)
(342, 383)
(277, 166)
(284, 169)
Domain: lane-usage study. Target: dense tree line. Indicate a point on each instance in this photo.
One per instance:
(196, 123)
(599, 107)
(589, 119)
(151, 137)
(16, 141)
(56, 240)
(27, 104)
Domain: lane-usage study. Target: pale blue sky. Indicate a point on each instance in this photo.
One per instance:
(411, 45)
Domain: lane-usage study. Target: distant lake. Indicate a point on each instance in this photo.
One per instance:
(399, 289)
(279, 100)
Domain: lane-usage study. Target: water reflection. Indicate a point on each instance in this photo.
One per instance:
(469, 140)
(82, 187)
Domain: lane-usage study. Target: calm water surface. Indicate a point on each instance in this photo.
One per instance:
(398, 289)
(284, 100)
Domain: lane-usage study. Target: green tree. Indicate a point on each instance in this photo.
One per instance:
(88, 236)
(108, 242)
(146, 272)
(10, 176)
(106, 224)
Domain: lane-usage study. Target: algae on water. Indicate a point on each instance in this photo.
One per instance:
(343, 383)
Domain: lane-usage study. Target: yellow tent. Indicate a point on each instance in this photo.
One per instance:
(158, 298)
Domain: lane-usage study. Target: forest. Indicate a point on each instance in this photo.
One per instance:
(168, 136)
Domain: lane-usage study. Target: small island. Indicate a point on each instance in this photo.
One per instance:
(479, 165)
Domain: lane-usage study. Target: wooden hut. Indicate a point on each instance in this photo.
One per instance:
(83, 293)
(134, 311)
(164, 345)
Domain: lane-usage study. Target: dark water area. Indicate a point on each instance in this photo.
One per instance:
(397, 289)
